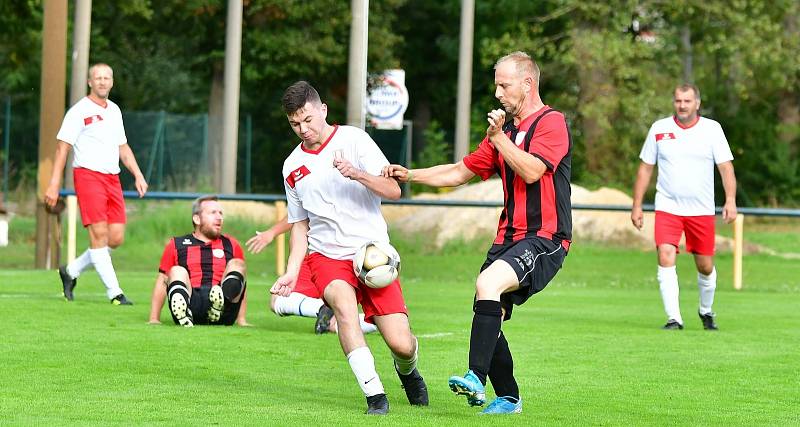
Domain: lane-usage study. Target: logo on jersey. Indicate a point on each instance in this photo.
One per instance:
(186, 242)
(665, 136)
(297, 175)
(218, 253)
(92, 119)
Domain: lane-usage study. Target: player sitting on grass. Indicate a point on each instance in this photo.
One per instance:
(305, 300)
(202, 274)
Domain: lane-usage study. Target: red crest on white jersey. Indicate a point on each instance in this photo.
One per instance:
(665, 136)
(91, 119)
(297, 175)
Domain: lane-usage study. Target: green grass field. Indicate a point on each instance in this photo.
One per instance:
(588, 349)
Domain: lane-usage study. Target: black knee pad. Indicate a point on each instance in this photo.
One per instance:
(232, 285)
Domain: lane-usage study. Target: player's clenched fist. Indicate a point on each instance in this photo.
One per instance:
(397, 172)
(284, 285)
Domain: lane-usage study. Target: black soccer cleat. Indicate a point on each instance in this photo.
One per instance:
(377, 405)
(414, 385)
(67, 282)
(708, 321)
(324, 316)
(672, 325)
(121, 300)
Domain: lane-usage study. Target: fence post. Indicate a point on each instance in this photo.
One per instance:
(72, 218)
(738, 246)
(280, 245)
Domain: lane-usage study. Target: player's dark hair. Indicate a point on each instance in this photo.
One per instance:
(197, 205)
(297, 95)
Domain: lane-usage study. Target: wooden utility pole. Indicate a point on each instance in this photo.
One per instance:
(357, 65)
(230, 120)
(80, 66)
(464, 97)
(51, 112)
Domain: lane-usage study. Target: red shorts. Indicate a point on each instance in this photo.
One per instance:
(699, 232)
(304, 284)
(374, 302)
(99, 196)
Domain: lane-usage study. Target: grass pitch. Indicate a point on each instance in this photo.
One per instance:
(588, 349)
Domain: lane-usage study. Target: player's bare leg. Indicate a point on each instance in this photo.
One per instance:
(116, 235)
(342, 299)
(495, 280)
(707, 285)
(668, 285)
(396, 332)
(100, 255)
(229, 291)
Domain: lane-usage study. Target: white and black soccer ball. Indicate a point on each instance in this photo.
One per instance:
(376, 264)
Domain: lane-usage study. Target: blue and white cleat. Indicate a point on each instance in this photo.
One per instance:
(469, 385)
(503, 405)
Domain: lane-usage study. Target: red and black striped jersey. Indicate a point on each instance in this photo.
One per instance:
(542, 208)
(205, 261)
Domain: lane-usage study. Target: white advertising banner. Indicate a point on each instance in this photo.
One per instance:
(388, 100)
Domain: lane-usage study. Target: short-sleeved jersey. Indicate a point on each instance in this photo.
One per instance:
(342, 214)
(685, 157)
(205, 261)
(542, 208)
(95, 134)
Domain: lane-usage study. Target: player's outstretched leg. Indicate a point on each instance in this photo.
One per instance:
(413, 383)
(68, 283)
(470, 386)
(216, 301)
(503, 405)
(178, 298)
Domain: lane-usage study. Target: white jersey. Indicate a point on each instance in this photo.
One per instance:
(95, 134)
(342, 214)
(686, 158)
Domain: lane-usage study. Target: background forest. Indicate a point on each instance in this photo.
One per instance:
(610, 66)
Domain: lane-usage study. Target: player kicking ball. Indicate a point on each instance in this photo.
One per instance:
(334, 188)
(202, 274)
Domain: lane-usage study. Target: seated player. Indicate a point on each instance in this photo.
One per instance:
(305, 300)
(202, 274)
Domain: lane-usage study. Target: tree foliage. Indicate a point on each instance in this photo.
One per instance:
(609, 66)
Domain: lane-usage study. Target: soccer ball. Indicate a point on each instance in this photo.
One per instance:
(376, 264)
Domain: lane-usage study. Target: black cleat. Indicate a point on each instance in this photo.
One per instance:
(377, 405)
(416, 390)
(708, 321)
(323, 320)
(672, 325)
(121, 300)
(67, 282)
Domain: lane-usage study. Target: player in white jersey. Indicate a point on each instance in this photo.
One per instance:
(93, 128)
(686, 147)
(334, 187)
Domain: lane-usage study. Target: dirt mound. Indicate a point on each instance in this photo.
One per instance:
(444, 224)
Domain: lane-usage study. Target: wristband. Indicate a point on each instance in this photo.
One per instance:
(409, 175)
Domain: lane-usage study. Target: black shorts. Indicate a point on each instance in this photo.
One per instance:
(200, 303)
(536, 261)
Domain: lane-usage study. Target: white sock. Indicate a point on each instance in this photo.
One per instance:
(101, 258)
(297, 304)
(363, 365)
(76, 267)
(668, 284)
(707, 285)
(406, 366)
(366, 327)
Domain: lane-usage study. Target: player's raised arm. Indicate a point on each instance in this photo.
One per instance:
(449, 175)
(262, 239)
